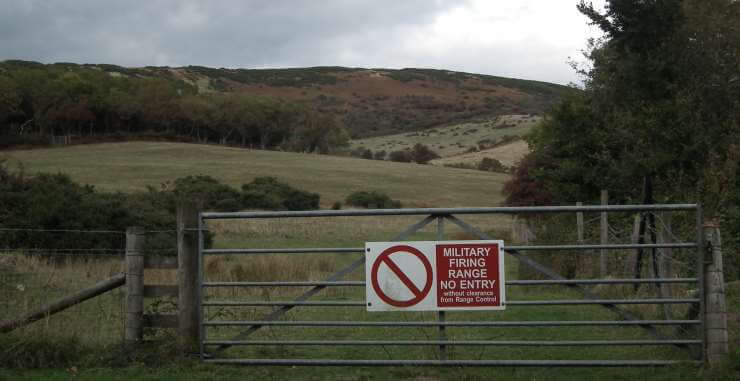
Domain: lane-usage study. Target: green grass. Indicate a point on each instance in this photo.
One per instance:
(79, 338)
(191, 370)
(130, 167)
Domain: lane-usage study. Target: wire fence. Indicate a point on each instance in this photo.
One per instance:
(35, 272)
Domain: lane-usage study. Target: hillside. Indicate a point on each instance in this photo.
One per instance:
(373, 102)
(508, 154)
(457, 143)
(250, 107)
(130, 167)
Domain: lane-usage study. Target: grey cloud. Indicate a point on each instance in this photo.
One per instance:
(233, 33)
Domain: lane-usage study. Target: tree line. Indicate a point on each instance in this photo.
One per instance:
(657, 120)
(39, 101)
(49, 202)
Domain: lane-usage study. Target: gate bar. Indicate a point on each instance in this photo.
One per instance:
(518, 343)
(449, 211)
(286, 251)
(679, 245)
(517, 363)
(349, 303)
(532, 323)
(508, 282)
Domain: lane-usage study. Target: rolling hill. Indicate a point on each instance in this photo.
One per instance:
(100, 99)
(460, 143)
(374, 102)
(132, 166)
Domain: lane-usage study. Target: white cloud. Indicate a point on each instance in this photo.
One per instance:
(526, 39)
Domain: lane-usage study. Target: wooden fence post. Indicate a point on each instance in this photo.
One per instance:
(134, 285)
(715, 310)
(187, 275)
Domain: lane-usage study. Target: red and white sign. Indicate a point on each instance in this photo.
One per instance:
(434, 275)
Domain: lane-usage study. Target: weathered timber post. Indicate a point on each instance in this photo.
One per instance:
(715, 310)
(187, 275)
(134, 285)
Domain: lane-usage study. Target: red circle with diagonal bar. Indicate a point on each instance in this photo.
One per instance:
(385, 257)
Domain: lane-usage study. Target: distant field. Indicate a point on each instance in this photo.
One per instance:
(130, 167)
(508, 154)
(455, 139)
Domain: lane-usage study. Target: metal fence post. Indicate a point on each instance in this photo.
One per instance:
(604, 239)
(715, 311)
(579, 262)
(441, 314)
(133, 331)
(187, 275)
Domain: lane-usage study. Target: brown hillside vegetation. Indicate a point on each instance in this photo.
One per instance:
(302, 110)
(373, 102)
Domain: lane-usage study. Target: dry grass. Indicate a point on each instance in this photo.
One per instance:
(130, 167)
(455, 139)
(28, 282)
(508, 154)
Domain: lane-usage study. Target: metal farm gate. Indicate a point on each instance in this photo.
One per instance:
(323, 321)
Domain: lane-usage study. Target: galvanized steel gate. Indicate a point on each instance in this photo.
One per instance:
(217, 314)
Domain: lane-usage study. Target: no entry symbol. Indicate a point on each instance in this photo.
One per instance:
(389, 258)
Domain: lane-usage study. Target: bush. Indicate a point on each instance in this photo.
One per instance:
(362, 152)
(401, 156)
(269, 193)
(50, 202)
(423, 154)
(206, 192)
(372, 200)
(492, 165)
(379, 155)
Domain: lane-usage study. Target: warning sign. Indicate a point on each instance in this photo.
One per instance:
(435, 275)
(401, 254)
(468, 275)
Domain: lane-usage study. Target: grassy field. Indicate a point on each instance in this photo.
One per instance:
(86, 338)
(508, 154)
(453, 140)
(130, 167)
(83, 343)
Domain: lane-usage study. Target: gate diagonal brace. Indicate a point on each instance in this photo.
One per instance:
(316, 289)
(626, 315)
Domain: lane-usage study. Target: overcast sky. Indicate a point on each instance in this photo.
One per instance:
(531, 39)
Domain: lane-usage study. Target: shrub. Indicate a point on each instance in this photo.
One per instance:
(206, 192)
(362, 152)
(379, 155)
(491, 164)
(269, 193)
(423, 154)
(372, 200)
(401, 156)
